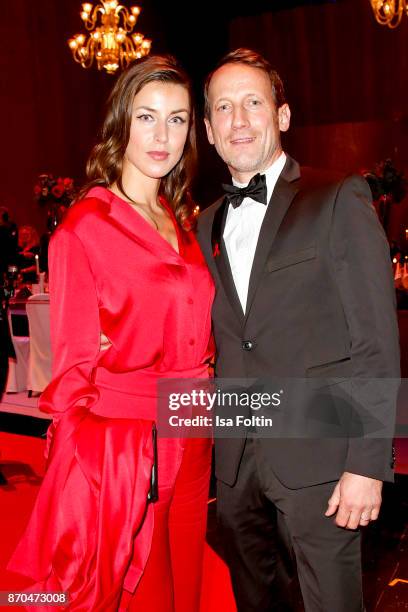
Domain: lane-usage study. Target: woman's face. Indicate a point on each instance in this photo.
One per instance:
(158, 130)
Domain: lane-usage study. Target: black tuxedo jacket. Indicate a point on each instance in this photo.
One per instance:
(321, 303)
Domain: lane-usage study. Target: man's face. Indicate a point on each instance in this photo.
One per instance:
(244, 124)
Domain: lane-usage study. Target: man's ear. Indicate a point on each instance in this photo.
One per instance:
(284, 117)
(209, 131)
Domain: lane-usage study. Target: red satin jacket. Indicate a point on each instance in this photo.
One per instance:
(110, 272)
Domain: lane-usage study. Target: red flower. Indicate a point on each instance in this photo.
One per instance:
(37, 191)
(57, 191)
(68, 182)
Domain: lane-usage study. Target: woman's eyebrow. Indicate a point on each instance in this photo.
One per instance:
(152, 110)
(180, 110)
(155, 110)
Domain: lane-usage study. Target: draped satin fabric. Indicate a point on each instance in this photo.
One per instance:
(111, 272)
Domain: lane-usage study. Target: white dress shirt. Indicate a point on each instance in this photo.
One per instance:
(242, 228)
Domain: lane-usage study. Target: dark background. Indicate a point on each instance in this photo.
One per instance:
(345, 79)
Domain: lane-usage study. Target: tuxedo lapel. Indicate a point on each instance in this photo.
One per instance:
(285, 190)
(220, 255)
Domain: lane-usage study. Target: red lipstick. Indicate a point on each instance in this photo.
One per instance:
(158, 155)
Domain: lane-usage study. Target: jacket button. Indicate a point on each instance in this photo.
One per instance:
(247, 345)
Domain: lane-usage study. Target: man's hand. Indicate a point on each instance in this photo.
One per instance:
(356, 500)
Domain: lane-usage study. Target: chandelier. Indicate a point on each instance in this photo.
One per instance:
(389, 12)
(111, 42)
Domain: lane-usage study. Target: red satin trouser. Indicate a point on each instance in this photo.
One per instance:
(171, 581)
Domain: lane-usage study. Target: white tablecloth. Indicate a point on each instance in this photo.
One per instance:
(31, 370)
(18, 366)
(39, 364)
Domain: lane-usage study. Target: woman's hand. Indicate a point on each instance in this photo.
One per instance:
(105, 343)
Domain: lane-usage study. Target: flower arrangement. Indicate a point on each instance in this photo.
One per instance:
(388, 186)
(386, 181)
(54, 190)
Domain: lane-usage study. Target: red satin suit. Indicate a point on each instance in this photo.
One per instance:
(91, 532)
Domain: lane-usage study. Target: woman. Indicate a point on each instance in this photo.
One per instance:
(123, 269)
(28, 248)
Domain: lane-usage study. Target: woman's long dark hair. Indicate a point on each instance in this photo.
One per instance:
(104, 165)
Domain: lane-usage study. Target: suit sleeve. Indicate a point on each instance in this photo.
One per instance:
(361, 260)
(75, 329)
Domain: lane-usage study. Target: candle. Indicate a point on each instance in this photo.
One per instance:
(37, 264)
(41, 282)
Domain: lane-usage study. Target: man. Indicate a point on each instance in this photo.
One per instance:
(304, 290)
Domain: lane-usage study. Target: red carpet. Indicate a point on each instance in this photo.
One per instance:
(21, 461)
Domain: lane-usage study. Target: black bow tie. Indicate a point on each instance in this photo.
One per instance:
(256, 189)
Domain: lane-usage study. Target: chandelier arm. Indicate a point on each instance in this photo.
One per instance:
(130, 50)
(88, 56)
(122, 56)
(121, 53)
(124, 13)
(389, 12)
(76, 56)
(91, 21)
(398, 8)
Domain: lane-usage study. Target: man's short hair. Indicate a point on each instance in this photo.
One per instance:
(255, 60)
